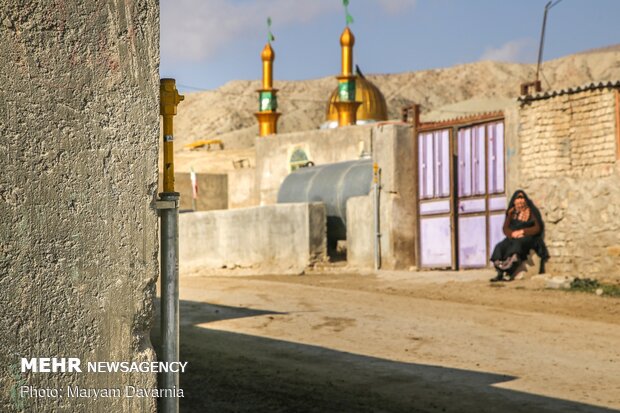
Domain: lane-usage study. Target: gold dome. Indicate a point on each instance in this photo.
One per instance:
(373, 107)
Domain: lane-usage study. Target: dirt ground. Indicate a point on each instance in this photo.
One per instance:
(396, 342)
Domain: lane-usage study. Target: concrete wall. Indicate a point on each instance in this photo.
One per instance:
(569, 166)
(393, 150)
(322, 147)
(78, 234)
(284, 238)
(241, 188)
(212, 190)
(360, 232)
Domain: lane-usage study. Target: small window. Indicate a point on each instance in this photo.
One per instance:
(299, 159)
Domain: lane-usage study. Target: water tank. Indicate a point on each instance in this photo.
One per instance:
(331, 184)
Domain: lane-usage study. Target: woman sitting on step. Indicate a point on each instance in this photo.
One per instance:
(524, 230)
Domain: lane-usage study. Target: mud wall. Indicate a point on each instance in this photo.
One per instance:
(78, 235)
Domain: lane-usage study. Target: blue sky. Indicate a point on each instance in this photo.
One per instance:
(206, 43)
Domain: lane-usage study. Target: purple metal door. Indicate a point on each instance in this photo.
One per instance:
(435, 229)
(461, 211)
(481, 197)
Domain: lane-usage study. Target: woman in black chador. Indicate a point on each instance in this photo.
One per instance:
(524, 230)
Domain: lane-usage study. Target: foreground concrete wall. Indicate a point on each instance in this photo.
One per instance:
(283, 238)
(393, 150)
(569, 165)
(78, 236)
(212, 190)
(325, 146)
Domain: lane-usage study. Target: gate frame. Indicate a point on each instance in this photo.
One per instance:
(453, 126)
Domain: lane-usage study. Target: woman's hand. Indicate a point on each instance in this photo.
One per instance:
(518, 233)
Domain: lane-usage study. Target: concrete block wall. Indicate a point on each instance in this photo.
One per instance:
(274, 239)
(78, 232)
(578, 193)
(322, 147)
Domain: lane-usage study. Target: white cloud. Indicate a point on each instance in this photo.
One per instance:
(194, 29)
(520, 51)
(396, 6)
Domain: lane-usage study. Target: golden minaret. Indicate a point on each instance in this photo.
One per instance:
(346, 104)
(267, 103)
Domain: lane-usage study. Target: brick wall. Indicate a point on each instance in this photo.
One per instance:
(569, 135)
(568, 165)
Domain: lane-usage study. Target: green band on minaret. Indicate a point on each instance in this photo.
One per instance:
(346, 90)
(267, 102)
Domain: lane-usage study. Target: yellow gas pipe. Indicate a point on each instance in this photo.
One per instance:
(169, 99)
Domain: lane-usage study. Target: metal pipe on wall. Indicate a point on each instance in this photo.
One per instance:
(377, 207)
(168, 205)
(169, 210)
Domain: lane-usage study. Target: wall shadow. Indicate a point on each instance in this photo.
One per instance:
(231, 372)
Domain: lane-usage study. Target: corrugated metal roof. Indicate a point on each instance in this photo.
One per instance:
(570, 90)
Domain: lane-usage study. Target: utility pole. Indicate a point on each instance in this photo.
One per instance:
(537, 84)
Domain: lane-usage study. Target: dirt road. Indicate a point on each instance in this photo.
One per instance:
(396, 342)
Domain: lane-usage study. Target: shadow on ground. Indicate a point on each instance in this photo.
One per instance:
(230, 372)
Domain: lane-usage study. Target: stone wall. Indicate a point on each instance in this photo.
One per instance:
(569, 167)
(323, 146)
(78, 232)
(272, 239)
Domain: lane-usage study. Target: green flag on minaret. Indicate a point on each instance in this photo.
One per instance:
(348, 17)
(270, 37)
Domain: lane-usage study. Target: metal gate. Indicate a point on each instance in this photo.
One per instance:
(461, 195)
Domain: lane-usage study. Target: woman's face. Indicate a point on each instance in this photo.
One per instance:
(520, 202)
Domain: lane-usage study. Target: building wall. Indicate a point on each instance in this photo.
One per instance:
(392, 147)
(360, 232)
(212, 190)
(394, 151)
(78, 232)
(241, 188)
(273, 239)
(571, 135)
(512, 145)
(322, 147)
(569, 167)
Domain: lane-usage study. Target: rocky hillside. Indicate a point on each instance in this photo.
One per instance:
(227, 113)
